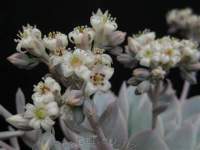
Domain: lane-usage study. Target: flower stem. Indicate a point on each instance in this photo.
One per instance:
(101, 141)
(184, 93)
(154, 96)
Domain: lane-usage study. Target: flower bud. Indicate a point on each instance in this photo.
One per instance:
(116, 38)
(21, 60)
(19, 121)
(141, 73)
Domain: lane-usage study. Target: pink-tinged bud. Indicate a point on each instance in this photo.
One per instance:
(21, 60)
(117, 37)
(141, 73)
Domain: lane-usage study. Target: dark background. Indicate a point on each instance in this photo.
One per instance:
(132, 16)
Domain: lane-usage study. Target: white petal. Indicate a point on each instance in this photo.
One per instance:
(47, 123)
(90, 88)
(108, 71)
(29, 111)
(145, 62)
(82, 72)
(106, 59)
(50, 43)
(52, 84)
(35, 123)
(52, 109)
(45, 98)
(66, 69)
(105, 87)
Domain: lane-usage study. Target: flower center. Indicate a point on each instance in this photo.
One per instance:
(59, 51)
(75, 61)
(148, 53)
(52, 35)
(169, 52)
(98, 50)
(40, 113)
(97, 78)
(44, 89)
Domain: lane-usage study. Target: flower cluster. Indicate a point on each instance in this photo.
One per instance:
(184, 20)
(158, 56)
(43, 111)
(102, 34)
(86, 62)
(83, 69)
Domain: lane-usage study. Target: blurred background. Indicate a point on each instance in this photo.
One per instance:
(132, 16)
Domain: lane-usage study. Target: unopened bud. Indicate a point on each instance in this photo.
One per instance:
(141, 73)
(133, 45)
(116, 38)
(21, 60)
(19, 121)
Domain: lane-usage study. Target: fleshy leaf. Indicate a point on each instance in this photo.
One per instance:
(111, 121)
(122, 101)
(140, 112)
(147, 140)
(102, 101)
(191, 107)
(182, 138)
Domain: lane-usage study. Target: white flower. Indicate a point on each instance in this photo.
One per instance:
(145, 56)
(98, 79)
(41, 115)
(57, 56)
(189, 51)
(82, 36)
(45, 91)
(145, 37)
(103, 21)
(30, 40)
(76, 63)
(55, 40)
(179, 17)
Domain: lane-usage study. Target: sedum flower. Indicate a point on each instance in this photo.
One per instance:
(189, 52)
(41, 115)
(82, 37)
(179, 17)
(55, 41)
(98, 79)
(30, 40)
(57, 56)
(46, 90)
(103, 22)
(76, 63)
